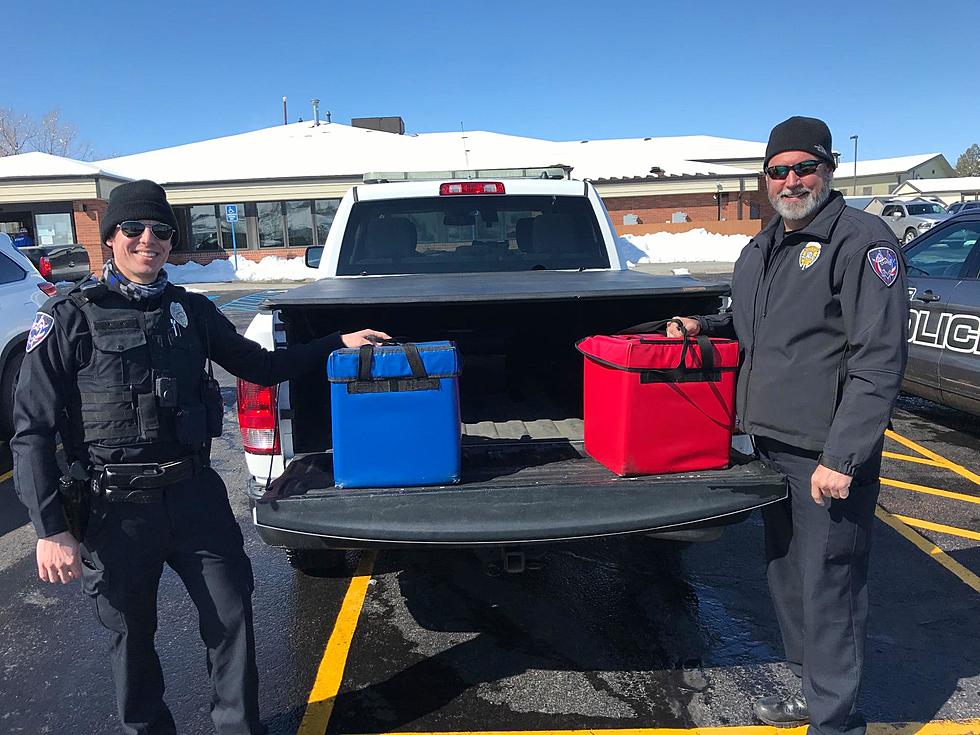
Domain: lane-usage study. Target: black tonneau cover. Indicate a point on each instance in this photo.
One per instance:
(488, 287)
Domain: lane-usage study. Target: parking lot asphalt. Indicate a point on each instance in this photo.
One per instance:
(627, 634)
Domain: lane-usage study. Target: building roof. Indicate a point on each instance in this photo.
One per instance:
(44, 165)
(304, 150)
(930, 186)
(882, 166)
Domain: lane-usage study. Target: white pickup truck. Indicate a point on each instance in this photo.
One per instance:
(514, 271)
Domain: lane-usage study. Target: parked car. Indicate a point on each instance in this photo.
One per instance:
(909, 219)
(59, 262)
(958, 207)
(944, 314)
(22, 291)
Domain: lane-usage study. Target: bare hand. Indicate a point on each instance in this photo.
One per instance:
(692, 326)
(829, 483)
(364, 337)
(58, 558)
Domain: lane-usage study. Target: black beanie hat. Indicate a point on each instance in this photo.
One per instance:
(137, 200)
(801, 134)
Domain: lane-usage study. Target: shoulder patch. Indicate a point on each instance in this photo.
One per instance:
(884, 263)
(40, 329)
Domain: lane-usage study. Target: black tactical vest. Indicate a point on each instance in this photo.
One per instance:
(146, 382)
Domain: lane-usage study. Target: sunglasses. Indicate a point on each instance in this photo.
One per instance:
(803, 168)
(134, 228)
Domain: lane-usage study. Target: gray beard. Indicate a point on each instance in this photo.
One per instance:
(796, 211)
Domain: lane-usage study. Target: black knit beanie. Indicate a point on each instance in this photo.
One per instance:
(801, 134)
(137, 200)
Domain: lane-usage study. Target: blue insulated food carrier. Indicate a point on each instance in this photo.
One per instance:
(395, 415)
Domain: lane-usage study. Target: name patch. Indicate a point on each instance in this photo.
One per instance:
(40, 329)
(884, 262)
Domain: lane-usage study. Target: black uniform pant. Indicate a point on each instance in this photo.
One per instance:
(818, 577)
(193, 530)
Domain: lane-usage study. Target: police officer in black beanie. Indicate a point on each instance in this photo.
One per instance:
(119, 366)
(820, 310)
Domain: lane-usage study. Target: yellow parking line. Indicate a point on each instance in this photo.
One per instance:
(331, 671)
(910, 458)
(929, 490)
(937, 727)
(6, 476)
(958, 469)
(930, 526)
(965, 575)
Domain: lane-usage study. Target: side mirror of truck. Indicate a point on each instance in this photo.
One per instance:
(313, 256)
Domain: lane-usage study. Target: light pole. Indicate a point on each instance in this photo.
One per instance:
(855, 139)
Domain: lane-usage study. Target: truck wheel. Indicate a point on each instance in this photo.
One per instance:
(910, 235)
(321, 563)
(8, 384)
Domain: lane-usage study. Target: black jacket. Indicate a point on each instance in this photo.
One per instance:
(49, 399)
(823, 329)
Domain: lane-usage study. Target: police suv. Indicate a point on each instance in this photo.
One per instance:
(514, 267)
(944, 313)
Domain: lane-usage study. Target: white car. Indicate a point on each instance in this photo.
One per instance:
(22, 291)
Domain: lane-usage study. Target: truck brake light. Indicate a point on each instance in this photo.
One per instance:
(472, 187)
(44, 266)
(257, 418)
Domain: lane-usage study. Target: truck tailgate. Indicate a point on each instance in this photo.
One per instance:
(513, 492)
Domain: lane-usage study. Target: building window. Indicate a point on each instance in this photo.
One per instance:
(324, 212)
(754, 212)
(271, 232)
(54, 229)
(866, 190)
(299, 224)
(204, 228)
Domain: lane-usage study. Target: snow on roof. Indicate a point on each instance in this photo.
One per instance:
(960, 183)
(42, 165)
(882, 166)
(304, 150)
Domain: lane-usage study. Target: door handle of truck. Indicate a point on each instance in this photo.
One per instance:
(927, 296)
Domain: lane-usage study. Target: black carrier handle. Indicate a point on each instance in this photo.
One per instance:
(707, 349)
(420, 379)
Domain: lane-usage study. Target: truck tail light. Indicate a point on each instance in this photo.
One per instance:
(44, 266)
(49, 289)
(471, 187)
(257, 418)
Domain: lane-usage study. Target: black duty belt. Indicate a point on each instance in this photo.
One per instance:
(144, 482)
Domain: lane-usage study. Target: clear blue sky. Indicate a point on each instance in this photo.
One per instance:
(136, 76)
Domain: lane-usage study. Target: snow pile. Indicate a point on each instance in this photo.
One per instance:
(695, 246)
(270, 268)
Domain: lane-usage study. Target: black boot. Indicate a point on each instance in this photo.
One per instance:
(779, 712)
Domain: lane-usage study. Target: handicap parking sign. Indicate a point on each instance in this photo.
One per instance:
(231, 212)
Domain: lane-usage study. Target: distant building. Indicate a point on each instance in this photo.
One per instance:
(885, 175)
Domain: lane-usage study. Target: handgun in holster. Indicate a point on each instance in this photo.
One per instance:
(76, 498)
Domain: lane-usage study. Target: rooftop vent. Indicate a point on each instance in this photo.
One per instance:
(385, 124)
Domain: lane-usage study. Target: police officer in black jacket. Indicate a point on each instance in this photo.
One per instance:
(820, 309)
(117, 366)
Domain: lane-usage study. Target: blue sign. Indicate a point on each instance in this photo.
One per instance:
(231, 212)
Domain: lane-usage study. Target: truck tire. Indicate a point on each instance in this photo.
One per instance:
(8, 384)
(322, 563)
(910, 235)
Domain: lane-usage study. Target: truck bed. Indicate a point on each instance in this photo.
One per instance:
(512, 492)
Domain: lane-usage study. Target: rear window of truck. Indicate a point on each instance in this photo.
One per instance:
(472, 234)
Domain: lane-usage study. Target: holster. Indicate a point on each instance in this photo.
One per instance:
(76, 499)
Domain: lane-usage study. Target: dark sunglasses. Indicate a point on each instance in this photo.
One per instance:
(803, 168)
(134, 228)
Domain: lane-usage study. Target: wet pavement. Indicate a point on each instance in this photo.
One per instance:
(622, 633)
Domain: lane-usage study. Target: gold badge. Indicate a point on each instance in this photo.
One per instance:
(809, 255)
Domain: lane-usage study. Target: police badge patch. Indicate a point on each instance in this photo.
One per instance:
(178, 313)
(40, 329)
(809, 255)
(884, 262)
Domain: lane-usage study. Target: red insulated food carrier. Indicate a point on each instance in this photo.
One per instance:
(656, 404)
